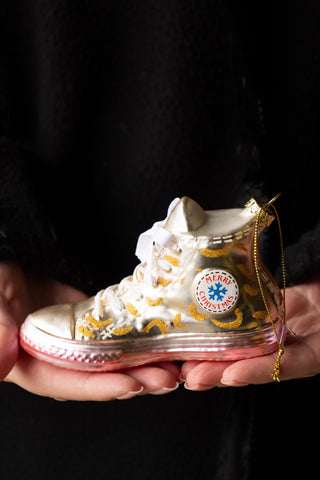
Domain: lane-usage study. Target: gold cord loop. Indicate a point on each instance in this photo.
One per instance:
(263, 208)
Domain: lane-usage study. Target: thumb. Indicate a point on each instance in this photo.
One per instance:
(9, 344)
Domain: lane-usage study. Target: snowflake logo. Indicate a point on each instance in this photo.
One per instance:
(218, 292)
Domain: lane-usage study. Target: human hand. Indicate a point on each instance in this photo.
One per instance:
(20, 294)
(301, 357)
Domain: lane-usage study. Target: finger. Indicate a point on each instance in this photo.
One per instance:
(62, 293)
(301, 359)
(157, 380)
(170, 367)
(187, 367)
(8, 340)
(203, 375)
(47, 380)
(250, 371)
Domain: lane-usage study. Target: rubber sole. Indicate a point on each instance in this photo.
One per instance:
(124, 353)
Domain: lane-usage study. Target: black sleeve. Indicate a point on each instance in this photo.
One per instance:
(302, 258)
(26, 235)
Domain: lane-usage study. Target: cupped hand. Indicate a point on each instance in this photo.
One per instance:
(302, 351)
(20, 294)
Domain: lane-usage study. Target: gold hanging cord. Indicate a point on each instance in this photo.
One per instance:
(263, 209)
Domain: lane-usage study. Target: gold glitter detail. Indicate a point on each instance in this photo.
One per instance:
(154, 303)
(132, 309)
(276, 369)
(250, 290)
(121, 331)
(260, 314)
(96, 323)
(244, 270)
(177, 321)
(197, 316)
(235, 324)
(175, 262)
(207, 252)
(260, 215)
(199, 270)
(156, 323)
(86, 332)
(182, 280)
(164, 282)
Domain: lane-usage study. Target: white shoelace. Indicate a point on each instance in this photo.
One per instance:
(111, 295)
(155, 240)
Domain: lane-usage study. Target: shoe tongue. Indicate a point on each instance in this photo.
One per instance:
(186, 216)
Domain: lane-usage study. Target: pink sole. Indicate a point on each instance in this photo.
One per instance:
(103, 361)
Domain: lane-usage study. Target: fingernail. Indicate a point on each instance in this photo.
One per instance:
(198, 386)
(129, 394)
(191, 387)
(164, 390)
(232, 383)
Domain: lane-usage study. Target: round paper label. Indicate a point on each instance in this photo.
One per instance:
(217, 291)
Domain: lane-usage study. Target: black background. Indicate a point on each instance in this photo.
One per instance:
(110, 110)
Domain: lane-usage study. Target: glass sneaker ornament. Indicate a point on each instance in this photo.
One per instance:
(200, 292)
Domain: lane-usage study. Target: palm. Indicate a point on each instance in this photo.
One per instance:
(21, 294)
(302, 352)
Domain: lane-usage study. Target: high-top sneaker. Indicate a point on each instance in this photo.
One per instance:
(195, 295)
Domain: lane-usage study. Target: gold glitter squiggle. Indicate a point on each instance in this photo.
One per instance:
(86, 332)
(260, 314)
(196, 315)
(156, 323)
(175, 262)
(164, 282)
(132, 309)
(250, 290)
(96, 323)
(121, 331)
(177, 321)
(154, 303)
(208, 252)
(235, 324)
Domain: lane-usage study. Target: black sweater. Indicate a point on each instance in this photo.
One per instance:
(109, 110)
